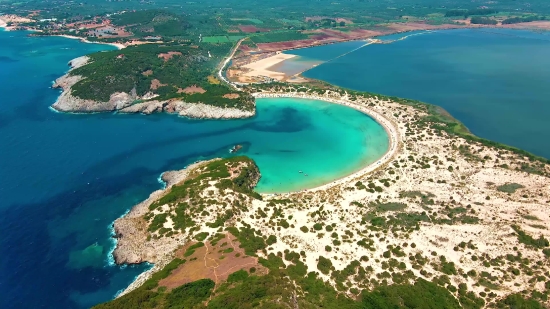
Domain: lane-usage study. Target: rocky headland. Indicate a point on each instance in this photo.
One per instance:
(125, 102)
(155, 228)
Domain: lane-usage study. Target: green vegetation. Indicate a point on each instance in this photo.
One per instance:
(509, 187)
(153, 23)
(239, 275)
(186, 296)
(421, 295)
(518, 301)
(141, 69)
(189, 294)
(526, 19)
(324, 265)
(201, 236)
(483, 21)
(216, 170)
(188, 204)
(466, 13)
(250, 239)
(279, 36)
(389, 206)
(216, 39)
(529, 241)
(192, 248)
(284, 287)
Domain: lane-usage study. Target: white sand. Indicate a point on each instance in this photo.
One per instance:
(261, 67)
(83, 40)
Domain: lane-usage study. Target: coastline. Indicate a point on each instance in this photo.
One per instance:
(84, 40)
(389, 127)
(410, 178)
(125, 251)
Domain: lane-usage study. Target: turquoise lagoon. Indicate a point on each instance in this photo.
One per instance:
(66, 178)
(495, 81)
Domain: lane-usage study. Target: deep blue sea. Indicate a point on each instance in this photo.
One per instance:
(65, 178)
(493, 80)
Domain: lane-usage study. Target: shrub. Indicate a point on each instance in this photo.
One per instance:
(201, 236)
(324, 265)
(510, 187)
(239, 275)
(271, 240)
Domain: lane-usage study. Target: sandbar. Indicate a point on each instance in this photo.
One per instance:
(262, 67)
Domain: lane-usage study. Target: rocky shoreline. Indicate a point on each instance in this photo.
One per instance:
(133, 245)
(123, 102)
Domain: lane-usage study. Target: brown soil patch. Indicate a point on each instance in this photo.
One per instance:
(231, 96)
(191, 89)
(167, 56)
(215, 262)
(534, 25)
(248, 29)
(285, 45)
(155, 84)
(147, 73)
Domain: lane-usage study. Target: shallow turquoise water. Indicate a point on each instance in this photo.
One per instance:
(331, 136)
(493, 80)
(66, 178)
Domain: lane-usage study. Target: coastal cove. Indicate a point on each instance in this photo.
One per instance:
(492, 80)
(67, 177)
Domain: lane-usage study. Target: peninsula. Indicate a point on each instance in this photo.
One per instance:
(444, 217)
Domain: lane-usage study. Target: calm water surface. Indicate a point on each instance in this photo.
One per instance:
(494, 81)
(65, 178)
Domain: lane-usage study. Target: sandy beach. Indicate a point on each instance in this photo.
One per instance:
(83, 40)
(262, 67)
(4, 24)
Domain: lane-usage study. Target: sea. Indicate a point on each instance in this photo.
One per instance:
(495, 81)
(66, 177)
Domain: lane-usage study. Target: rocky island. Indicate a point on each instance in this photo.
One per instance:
(444, 218)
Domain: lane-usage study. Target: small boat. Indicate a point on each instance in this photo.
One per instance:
(300, 172)
(305, 175)
(235, 148)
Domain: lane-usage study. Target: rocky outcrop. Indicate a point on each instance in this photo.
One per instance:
(78, 62)
(190, 110)
(199, 110)
(67, 102)
(133, 244)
